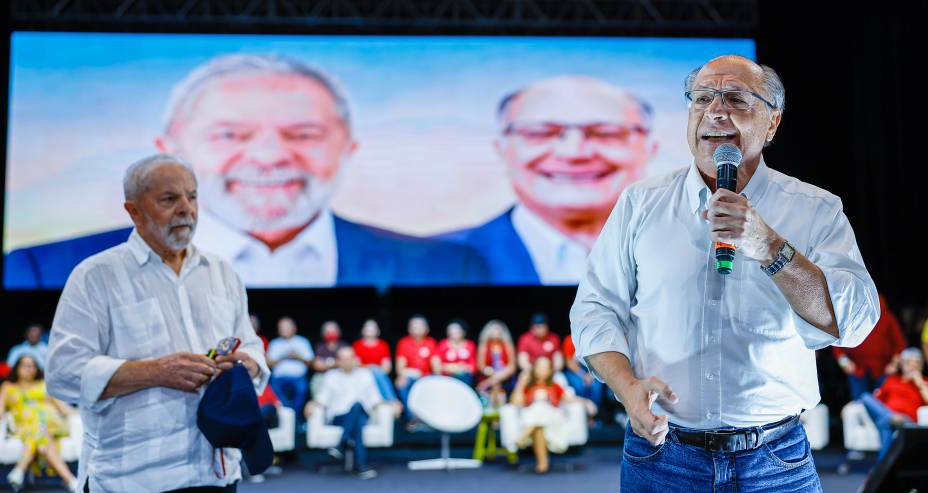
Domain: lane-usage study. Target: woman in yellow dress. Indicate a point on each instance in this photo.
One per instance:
(37, 421)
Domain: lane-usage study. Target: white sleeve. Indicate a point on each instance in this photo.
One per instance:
(853, 294)
(77, 370)
(599, 317)
(251, 343)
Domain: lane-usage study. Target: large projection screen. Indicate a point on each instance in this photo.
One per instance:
(344, 160)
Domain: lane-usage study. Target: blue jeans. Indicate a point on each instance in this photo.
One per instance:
(881, 416)
(467, 378)
(384, 385)
(291, 391)
(404, 396)
(352, 424)
(784, 464)
(594, 392)
(866, 383)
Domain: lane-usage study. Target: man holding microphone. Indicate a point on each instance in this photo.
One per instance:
(715, 369)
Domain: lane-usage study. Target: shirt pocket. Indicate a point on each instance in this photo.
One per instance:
(139, 330)
(222, 318)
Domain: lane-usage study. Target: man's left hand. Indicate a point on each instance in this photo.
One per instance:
(228, 361)
(732, 219)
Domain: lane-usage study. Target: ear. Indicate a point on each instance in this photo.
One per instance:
(165, 144)
(775, 119)
(133, 209)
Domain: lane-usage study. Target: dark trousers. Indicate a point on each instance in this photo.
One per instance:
(353, 423)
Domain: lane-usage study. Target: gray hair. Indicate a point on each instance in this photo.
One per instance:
(772, 89)
(185, 91)
(911, 353)
(135, 180)
(647, 112)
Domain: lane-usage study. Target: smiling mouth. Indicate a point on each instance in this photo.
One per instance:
(718, 136)
(586, 177)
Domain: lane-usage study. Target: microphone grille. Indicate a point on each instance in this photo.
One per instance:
(727, 153)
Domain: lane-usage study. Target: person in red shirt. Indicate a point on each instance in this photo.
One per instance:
(868, 364)
(897, 401)
(456, 356)
(413, 359)
(496, 361)
(544, 423)
(539, 341)
(374, 353)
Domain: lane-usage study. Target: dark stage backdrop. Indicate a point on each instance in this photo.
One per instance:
(852, 126)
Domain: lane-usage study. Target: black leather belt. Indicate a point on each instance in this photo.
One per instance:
(734, 440)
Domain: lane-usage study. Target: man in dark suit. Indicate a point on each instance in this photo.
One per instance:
(572, 144)
(268, 137)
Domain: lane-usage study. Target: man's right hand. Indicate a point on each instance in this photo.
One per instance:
(184, 371)
(638, 397)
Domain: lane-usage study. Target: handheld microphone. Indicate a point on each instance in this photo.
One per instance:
(727, 158)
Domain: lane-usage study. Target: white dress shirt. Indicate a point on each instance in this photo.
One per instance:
(126, 304)
(340, 390)
(731, 347)
(557, 258)
(310, 259)
(279, 350)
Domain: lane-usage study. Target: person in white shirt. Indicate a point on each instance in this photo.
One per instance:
(348, 395)
(129, 339)
(714, 370)
(33, 345)
(571, 144)
(289, 357)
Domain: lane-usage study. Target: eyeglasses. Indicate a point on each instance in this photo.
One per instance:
(602, 133)
(735, 100)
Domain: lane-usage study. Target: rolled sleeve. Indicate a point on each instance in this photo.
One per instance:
(251, 343)
(853, 295)
(600, 315)
(96, 375)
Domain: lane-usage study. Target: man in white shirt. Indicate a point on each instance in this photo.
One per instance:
(347, 396)
(129, 339)
(714, 370)
(571, 145)
(289, 357)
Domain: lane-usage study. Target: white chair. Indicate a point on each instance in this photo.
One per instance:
(510, 427)
(11, 449)
(860, 434)
(378, 432)
(449, 406)
(815, 421)
(283, 436)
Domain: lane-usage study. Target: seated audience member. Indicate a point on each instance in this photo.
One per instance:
(413, 360)
(868, 364)
(326, 350)
(288, 357)
(34, 344)
(374, 354)
(38, 421)
(457, 356)
(897, 401)
(347, 396)
(496, 362)
(544, 423)
(539, 341)
(578, 377)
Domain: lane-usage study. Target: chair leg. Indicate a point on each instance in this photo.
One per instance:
(480, 442)
(491, 446)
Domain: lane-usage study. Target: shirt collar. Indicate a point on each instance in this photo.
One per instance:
(698, 192)
(142, 252)
(213, 235)
(542, 239)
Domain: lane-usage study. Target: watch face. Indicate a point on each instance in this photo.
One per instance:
(788, 251)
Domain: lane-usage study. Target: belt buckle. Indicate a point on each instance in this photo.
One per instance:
(730, 440)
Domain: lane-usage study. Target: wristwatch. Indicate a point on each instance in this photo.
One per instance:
(784, 256)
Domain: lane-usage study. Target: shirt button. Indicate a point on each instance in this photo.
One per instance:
(709, 376)
(709, 415)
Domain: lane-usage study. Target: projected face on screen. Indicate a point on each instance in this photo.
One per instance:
(330, 161)
(268, 145)
(572, 144)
